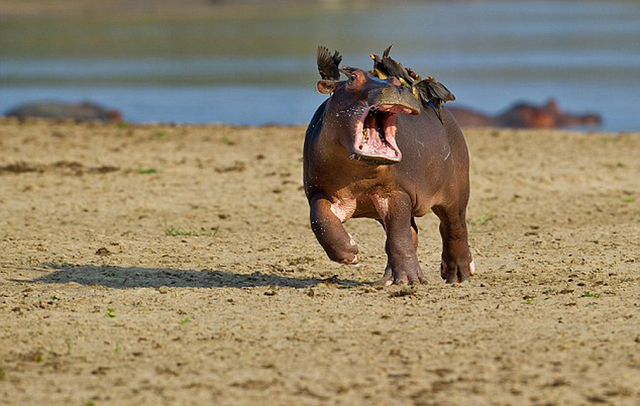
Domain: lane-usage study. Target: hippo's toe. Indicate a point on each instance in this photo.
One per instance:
(411, 277)
(457, 271)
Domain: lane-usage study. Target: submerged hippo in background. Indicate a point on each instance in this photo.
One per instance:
(372, 150)
(525, 115)
(83, 111)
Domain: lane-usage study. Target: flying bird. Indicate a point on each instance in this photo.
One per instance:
(328, 65)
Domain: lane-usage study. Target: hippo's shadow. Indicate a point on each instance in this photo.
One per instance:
(136, 277)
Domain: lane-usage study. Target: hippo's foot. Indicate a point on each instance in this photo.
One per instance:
(354, 260)
(337, 243)
(453, 271)
(401, 278)
(347, 254)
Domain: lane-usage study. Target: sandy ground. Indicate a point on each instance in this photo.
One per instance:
(165, 265)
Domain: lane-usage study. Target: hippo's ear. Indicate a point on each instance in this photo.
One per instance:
(327, 86)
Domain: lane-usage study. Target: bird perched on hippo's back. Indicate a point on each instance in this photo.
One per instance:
(427, 89)
(387, 66)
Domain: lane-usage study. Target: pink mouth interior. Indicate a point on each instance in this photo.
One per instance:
(376, 134)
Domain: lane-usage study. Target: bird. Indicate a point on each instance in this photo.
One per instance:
(429, 89)
(328, 65)
(378, 69)
(386, 66)
(348, 70)
(395, 68)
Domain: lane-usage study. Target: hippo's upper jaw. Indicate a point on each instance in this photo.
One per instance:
(375, 134)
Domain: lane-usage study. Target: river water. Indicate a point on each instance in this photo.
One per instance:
(260, 68)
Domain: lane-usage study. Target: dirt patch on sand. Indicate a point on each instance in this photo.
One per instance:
(186, 273)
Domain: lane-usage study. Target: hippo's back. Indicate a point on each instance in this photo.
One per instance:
(84, 111)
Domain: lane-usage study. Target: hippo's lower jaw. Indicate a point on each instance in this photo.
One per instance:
(375, 135)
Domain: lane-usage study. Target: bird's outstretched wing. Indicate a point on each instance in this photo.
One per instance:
(328, 65)
(385, 54)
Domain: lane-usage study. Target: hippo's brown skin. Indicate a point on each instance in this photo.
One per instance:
(525, 115)
(83, 111)
(429, 170)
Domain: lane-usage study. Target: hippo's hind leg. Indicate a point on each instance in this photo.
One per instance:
(457, 264)
(330, 233)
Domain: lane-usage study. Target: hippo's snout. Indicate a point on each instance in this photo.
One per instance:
(394, 99)
(375, 131)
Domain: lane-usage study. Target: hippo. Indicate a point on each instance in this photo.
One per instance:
(83, 111)
(372, 150)
(525, 115)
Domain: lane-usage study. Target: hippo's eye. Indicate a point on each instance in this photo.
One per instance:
(353, 77)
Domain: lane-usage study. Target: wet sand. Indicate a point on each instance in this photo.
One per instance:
(156, 264)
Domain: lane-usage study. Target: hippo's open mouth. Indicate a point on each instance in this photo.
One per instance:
(375, 138)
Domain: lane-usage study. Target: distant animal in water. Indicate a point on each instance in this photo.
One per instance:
(83, 111)
(525, 115)
(375, 149)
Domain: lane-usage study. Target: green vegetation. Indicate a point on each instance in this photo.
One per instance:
(174, 232)
(171, 231)
(160, 133)
(110, 313)
(146, 171)
(590, 294)
(482, 220)
(185, 320)
(226, 140)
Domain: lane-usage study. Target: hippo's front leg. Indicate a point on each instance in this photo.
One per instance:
(330, 233)
(403, 263)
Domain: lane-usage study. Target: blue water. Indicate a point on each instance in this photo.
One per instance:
(184, 104)
(262, 70)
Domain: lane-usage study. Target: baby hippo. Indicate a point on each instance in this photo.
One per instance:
(373, 150)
